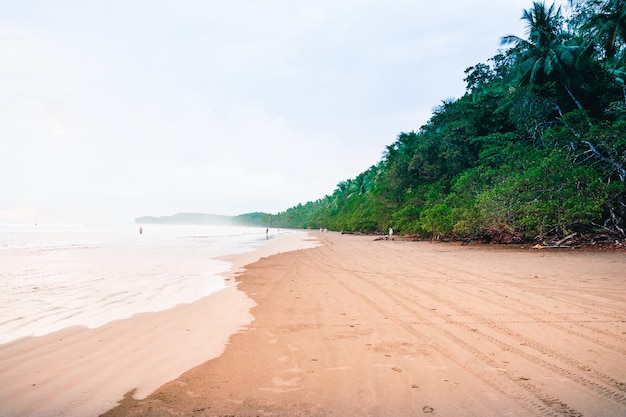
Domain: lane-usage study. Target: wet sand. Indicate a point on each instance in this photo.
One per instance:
(358, 327)
(81, 372)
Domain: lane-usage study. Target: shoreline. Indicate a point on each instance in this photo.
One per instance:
(81, 371)
(358, 327)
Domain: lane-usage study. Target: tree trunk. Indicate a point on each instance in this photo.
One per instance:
(578, 104)
(620, 169)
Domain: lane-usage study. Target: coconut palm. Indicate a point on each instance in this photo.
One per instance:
(608, 26)
(549, 53)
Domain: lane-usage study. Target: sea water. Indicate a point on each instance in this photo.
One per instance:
(57, 276)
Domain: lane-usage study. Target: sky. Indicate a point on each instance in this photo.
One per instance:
(111, 110)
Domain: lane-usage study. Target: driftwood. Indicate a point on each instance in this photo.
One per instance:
(538, 246)
(565, 239)
(575, 240)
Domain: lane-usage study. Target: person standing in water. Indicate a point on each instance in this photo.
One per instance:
(140, 230)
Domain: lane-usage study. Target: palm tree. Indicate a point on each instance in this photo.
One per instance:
(547, 54)
(608, 26)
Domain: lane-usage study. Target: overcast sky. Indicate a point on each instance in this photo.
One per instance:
(110, 110)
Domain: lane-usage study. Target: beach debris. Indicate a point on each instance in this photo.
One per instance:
(539, 246)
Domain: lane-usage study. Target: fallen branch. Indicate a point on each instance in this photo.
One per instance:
(538, 246)
(565, 239)
(620, 169)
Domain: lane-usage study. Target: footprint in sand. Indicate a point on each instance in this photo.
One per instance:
(427, 409)
(280, 382)
(283, 385)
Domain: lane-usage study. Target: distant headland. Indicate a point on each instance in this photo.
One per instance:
(248, 219)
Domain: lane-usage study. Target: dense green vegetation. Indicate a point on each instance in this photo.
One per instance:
(536, 148)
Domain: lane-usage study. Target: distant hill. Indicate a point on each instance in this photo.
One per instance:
(248, 219)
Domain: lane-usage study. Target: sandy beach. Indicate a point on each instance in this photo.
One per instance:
(358, 327)
(81, 372)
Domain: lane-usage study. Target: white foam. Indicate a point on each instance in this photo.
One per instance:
(53, 277)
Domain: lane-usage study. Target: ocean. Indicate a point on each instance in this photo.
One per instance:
(56, 276)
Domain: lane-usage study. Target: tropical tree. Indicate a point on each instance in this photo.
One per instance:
(605, 21)
(517, 155)
(608, 25)
(549, 53)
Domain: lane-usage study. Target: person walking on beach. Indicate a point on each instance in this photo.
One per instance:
(390, 233)
(140, 230)
(267, 234)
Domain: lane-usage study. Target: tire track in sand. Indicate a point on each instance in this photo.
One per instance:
(539, 347)
(593, 380)
(523, 392)
(537, 401)
(538, 317)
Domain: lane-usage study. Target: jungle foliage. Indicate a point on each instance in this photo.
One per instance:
(535, 148)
